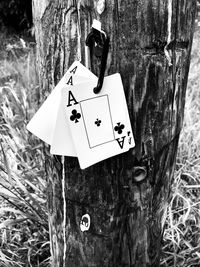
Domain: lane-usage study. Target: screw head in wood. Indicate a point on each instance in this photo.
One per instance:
(85, 223)
(139, 173)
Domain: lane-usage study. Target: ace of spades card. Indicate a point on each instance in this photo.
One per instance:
(99, 123)
(43, 123)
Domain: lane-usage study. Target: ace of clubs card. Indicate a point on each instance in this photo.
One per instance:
(99, 123)
(62, 142)
(44, 122)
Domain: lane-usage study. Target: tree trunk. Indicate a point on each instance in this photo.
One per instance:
(126, 196)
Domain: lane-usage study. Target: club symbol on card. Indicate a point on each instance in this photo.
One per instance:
(119, 127)
(98, 122)
(75, 116)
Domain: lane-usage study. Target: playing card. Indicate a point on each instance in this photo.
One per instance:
(99, 123)
(43, 122)
(62, 143)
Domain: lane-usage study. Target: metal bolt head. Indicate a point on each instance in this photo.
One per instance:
(85, 223)
(101, 4)
(139, 173)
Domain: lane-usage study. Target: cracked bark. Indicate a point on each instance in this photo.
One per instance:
(125, 196)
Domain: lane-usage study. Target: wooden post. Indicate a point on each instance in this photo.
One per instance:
(126, 196)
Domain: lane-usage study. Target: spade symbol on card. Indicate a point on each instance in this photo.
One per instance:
(75, 116)
(119, 128)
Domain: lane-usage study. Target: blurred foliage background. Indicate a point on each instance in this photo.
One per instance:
(24, 239)
(16, 14)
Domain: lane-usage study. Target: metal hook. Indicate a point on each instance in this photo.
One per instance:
(102, 40)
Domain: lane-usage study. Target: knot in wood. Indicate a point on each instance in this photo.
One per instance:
(139, 173)
(100, 6)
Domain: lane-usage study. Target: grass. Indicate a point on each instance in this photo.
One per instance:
(182, 227)
(24, 237)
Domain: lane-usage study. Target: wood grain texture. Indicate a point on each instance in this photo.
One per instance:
(126, 195)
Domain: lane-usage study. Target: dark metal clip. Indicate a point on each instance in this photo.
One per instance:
(102, 42)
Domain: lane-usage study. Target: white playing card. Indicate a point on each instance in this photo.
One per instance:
(99, 123)
(43, 122)
(62, 142)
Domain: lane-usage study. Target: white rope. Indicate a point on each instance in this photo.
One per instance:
(169, 33)
(63, 158)
(64, 209)
(169, 26)
(78, 30)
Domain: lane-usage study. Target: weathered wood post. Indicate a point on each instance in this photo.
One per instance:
(125, 196)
